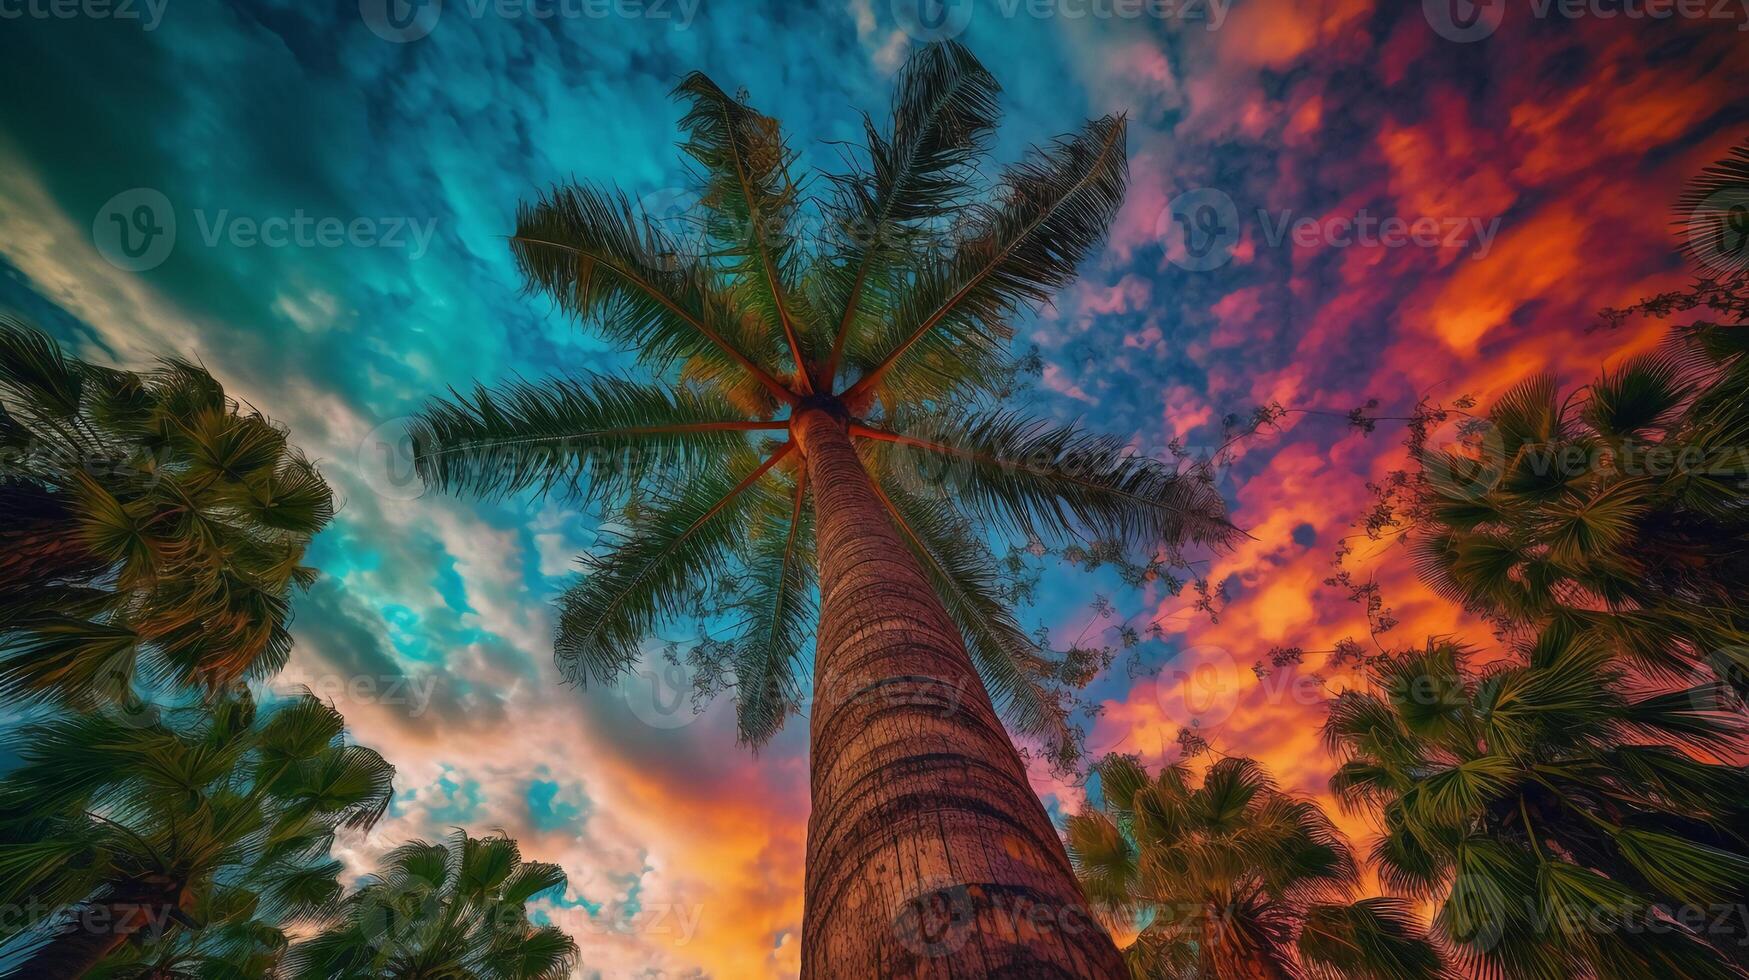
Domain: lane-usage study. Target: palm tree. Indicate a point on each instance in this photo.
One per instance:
(233, 943)
(864, 354)
(1234, 879)
(1566, 824)
(454, 911)
(1619, 510)
(136, 825)
(148, 527)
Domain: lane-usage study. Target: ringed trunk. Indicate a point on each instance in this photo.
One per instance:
(1234, 952)
(929, 855)
(96, 931)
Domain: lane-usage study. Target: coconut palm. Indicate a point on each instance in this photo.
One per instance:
(455, 910)
(149, 527)
(1234, 879)
(817, 407)
(233, 942)
(1564, 823)
(136, 825)
(1620, 510)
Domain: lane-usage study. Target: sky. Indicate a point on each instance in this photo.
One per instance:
(1329, 202)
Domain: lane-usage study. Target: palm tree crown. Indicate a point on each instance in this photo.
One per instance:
(454, 910)
(148, 526)
(216, 818)
(1234, 879)
(1566, 823)
(892, 317)
(1616, 511)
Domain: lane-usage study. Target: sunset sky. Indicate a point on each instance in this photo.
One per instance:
(1537, 156)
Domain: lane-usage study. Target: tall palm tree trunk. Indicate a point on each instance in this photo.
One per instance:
(95, 932)
(929, 855)
(1236, 952)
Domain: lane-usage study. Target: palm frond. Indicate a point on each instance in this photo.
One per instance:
(600, 261)
(750, 203)
(1054, 207)
(1373, 939)
(780, 611)
(1033, 477)
(604, 618)
(917, 175)
(594, 438)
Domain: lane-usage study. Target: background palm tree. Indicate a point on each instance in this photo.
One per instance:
(148, 526)
(1565, 824)
(143, 825)
(866, 349)
(1618, 511)
(1232, 878)
(454, 910)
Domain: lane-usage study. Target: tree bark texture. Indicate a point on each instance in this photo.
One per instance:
(929, 854)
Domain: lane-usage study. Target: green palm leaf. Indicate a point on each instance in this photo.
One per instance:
(594, 438)
(604, 618)
(780, 609)
(1035, 478)
(1010, 664)
(597, 259)
(917, 174)
(750, 202)
(1054, 207)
